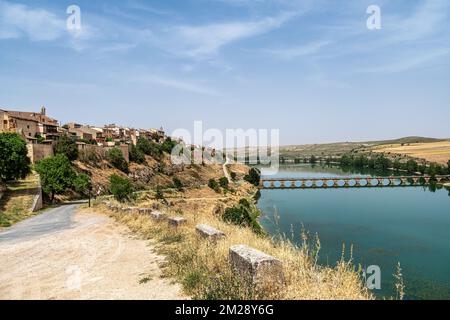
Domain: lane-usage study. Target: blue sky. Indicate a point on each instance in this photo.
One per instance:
(309, 68)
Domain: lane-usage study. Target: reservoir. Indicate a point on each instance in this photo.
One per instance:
(385, 226)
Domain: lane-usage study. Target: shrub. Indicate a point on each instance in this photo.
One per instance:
(245, 215)
(159, 194)
(214, 185)
(67, 146)
(178, 184)
(136, 155)
(233, 175)
(253, 177)
(82, 184)
(115, 157)
(411, 166)
(14, 161)
(168, 145)
(149, 148)
(57, 175)
(224, 182)
(121, 188)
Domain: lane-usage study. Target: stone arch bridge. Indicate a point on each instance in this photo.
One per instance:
(348, 182)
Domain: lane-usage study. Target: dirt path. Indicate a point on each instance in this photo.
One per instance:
(66, 255)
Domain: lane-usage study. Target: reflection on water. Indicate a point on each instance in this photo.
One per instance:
(385, 225)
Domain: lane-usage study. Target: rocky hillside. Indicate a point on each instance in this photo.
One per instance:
(156, 172)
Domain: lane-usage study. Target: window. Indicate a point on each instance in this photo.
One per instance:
(28, 126)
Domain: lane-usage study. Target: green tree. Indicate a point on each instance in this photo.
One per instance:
(168, 145)
(382, 163)
(82, 184)
(346, 160)
(397, 165)
(224, 182)
(121, 188)
(178, 184)
(115, 157)
(136, 155)
(149, 148)
(253, 177)
(313, 159)
(14, 161)
(57, 175)
(411, 166)
(67, 146)
(214, 185)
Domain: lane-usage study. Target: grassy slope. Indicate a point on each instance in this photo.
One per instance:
(17, 200)
(203, 268)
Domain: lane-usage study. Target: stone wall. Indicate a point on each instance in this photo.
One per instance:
(38, 198)
(37, 152)
(101, 151)
(2, 190)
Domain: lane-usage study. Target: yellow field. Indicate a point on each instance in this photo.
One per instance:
(438, 152)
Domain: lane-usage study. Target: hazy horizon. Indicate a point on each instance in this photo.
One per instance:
(309, 68)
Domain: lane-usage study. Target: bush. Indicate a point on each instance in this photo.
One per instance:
(245, 215)
(159, 194)
(411, 166)
(57, 175)
(149, 148)
(136, 155)
(178, 184)
(67, 146)
(214, 185)
(233, 175)
(253, 177)
(14, 161)
(115, 157)
(168, 145)
(224, 182)
(82, 184)
(121, 188)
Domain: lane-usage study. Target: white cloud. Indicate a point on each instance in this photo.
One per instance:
(425, 20)
(37, 24)
(206, 40)
(298, 51)
(176, 84)
(17, 20)
(408, 63)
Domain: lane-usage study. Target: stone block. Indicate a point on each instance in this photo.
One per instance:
(176, 221)
(158, 216)
(256, 268)
(209, 233)
(145, 211)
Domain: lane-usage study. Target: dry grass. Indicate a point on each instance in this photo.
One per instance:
(438, 152)
(203, 269)
(17, 201)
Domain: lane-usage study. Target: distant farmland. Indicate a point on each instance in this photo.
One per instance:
(434, 151)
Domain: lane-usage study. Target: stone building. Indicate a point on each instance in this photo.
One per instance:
(30, 125)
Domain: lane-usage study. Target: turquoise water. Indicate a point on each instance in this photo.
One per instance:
(385, 226)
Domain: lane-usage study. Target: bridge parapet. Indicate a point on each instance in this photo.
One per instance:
(348, 182)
